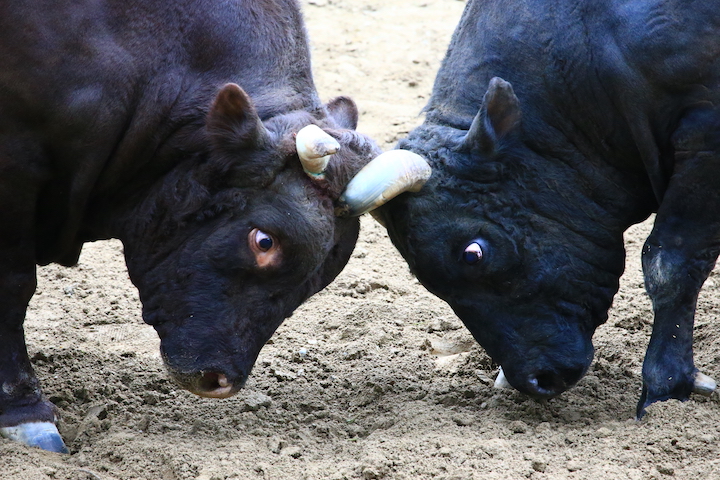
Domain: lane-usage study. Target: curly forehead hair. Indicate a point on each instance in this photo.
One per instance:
(492, 186)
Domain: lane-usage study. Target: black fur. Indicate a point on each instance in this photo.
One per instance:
(169, 125)
(617, 119)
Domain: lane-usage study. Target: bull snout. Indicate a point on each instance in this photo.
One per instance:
(212, 374)
(212, 363)
(540, 356)
(542, 383)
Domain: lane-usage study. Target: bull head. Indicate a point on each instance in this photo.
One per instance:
(246, 237)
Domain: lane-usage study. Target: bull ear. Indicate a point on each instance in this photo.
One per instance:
(344, 111)
(233, 121)
(499, 115)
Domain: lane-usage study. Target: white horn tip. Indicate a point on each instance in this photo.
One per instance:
(501, 381)
(314, 148)
(704, 385)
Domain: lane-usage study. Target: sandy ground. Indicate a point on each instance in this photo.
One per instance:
(392, 386)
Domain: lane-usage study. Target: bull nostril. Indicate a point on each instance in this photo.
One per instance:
(545, 385)
(548, 384)
(216, 385)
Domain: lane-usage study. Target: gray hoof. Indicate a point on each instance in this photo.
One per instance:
(43, 435)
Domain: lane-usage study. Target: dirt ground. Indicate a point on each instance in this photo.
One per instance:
(389, 384)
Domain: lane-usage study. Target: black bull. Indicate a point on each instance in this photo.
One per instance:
(126, 120)
(554, 126)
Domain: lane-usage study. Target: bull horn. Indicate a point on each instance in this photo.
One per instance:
(315, 147)
(386, 176)
(501, 381)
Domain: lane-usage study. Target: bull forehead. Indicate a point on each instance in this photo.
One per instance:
(295, 196)
(295, 214)
(449, 220)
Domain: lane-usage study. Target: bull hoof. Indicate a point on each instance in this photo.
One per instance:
(699, 383)
(704, 385)
(43, 435)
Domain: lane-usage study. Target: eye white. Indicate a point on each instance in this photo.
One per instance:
(473, 253)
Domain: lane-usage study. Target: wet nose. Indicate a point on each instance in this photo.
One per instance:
(551, 383)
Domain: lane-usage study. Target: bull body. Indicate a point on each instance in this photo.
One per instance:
(125, 120)
(553, 126)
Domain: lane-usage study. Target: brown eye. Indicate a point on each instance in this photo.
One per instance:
(265, 247)
(473, 253)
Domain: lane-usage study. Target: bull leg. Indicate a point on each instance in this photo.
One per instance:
(673, 279)
(25, 414)
(677, 258)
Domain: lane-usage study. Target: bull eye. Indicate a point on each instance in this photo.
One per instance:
(473, 254)
(265, 247)
(263, 240)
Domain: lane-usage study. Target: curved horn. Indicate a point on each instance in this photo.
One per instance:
(386, 176)
(315, 147)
